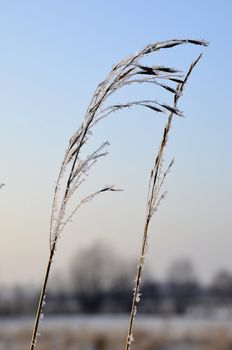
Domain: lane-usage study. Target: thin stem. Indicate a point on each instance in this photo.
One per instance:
(41, 299)
(137, 285)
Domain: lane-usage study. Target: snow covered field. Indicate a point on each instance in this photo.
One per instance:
(108, 332)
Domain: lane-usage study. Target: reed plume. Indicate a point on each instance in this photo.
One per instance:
(126, 72)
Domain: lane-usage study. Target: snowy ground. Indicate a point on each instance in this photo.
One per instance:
(108, 332)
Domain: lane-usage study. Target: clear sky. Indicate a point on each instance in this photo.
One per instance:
(53, 54)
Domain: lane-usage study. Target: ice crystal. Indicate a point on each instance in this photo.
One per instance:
(138, 297)
(135, 311)
(130, 339)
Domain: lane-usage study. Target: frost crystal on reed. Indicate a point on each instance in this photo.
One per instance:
(130, 339)
(138, 297)
(135, 311)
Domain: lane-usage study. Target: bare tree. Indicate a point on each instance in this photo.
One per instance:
(181, 271)
(183, 285)
(97, 272)
(221, 285)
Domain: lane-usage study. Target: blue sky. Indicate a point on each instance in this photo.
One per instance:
(53, 54)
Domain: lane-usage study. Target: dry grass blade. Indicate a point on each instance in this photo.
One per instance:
(76, 169)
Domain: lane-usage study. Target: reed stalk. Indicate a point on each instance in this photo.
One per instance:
(154, 198)
(126, 72)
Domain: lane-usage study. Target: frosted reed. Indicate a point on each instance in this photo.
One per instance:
(76, 168)
(154, 198)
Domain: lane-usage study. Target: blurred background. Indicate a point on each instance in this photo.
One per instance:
(53, 55)
(88, 308)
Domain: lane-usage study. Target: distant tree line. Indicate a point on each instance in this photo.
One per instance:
(101, 282)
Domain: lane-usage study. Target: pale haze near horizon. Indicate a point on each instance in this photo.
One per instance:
(52, 57)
